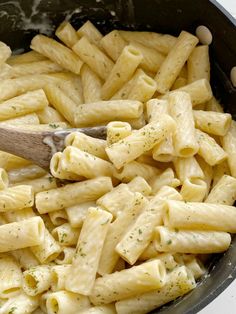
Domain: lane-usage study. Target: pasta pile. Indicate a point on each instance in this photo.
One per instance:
(140, 212)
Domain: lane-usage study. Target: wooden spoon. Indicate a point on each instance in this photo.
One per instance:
(37, 146)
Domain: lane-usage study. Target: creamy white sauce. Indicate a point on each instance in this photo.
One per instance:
(49, 141)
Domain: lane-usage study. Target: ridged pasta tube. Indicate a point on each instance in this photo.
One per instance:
(67, 34)
(16, 197)
(199, 64)
(92, 85)
(37, 279)
(229, 145)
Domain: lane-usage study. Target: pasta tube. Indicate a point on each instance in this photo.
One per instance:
(85, 263)
(57, 52)
(188, 168)
(22, 234)
(23, 104)
(117, 130)
(16, 197)
(61, 302)
(20, 304)
(179, 282)
(58, 276)
(145, 277)
(91, 84)
(93, 57)
(204, 216)
(76, 214)
(67, 34)
(113, 44)
(91, 32)
(167, 177)
(141, 141)
(84, 164)
(199, 64)
(171, 66)
(27, 57)
(37, 280)
(65, 256)
(139, 235)
(5, 52)
(185, 141)
(224, 192)
(4, 182)
(66, 235)
(193, 190)
(49, 115)
(229, 145)
(58, 217)
(122, 71)
(216, 123)
(188, 241)
(72, 194)
(10, 277)
(103, 111)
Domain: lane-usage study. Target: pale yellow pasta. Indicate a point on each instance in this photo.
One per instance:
(49, 115)
(150, 252)
(13, 87)
(85, 263)
(37, 279)
(19, 235)
(58, 277)
(188, 241)
(143, 88)
(193, 190)
(27, 57)
(25, 173)
(103, 309)
(122, 71)
(128, 282)
(116, 200)
(38, 67)
(67, 34)
(223, 192)
(209, 150)
(87, 144)
(137, 123)
(25, 258)
(204, 216)
(41, 184)
(216, 123)
(179, 282)
(19, 215)
(10, 276)
(214, 105)
(51, 127)
(135, 168)
(92, 85)
(58, 172)
(229, 145)
(179, 82)
(84, 164)
(140, 141)
(175, 60)
(207, 171)
(93, 57)
(123, 92)
(66, 235)
(103, 111)
(61, 102)
(91, 32)
(184, 139)
(188, 168)
(117, 229)
(57, 52)
(117, 130)
(72, 194)
(20, 304)
(22, 105)
(58, 217)
(30, 118)
(155, 107)
(167, 177)
(16, 198)
(113, 44)
(196, 267)
(73, 89)
(6, 71)
(139, 184)
(199, 64)
(65, 256)
(152, 59)
(63, 301)
(5, 52)
(76, 214)
(199, 91)
(4, 182)
(160, 42)
(43, 300)
(139, 235)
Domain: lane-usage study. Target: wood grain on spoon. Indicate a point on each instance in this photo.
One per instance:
(39, 146)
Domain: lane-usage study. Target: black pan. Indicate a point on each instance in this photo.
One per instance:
(21, 20)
